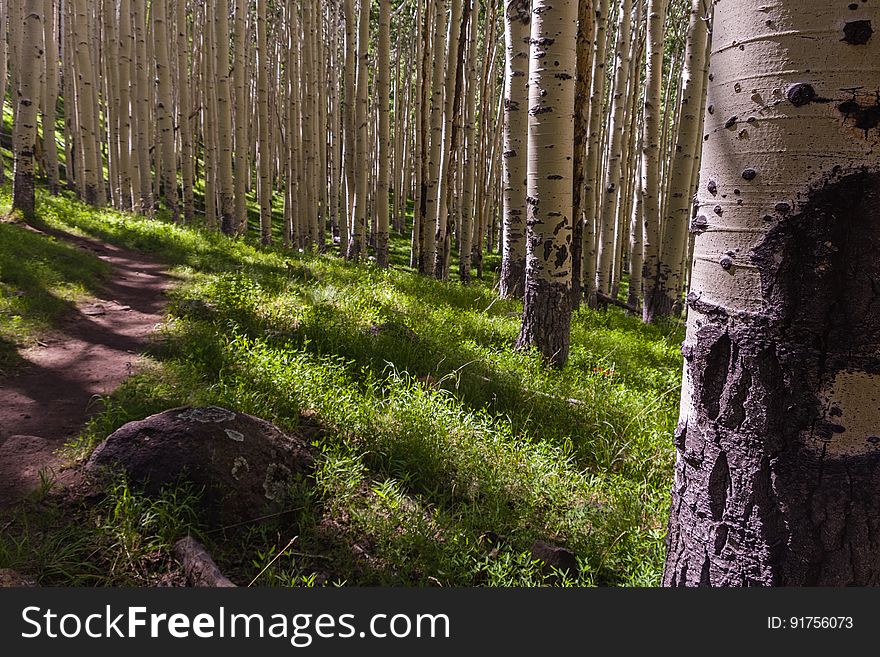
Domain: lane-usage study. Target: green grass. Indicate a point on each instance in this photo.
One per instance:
(447, 454)
(40, 279)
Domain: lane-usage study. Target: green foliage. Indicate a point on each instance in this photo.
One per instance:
(125, 539)
(446, 454)
(40, 279)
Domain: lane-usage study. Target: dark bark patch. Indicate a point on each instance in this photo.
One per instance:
(857, 33)
(866, 117)
(719, 486)
(731, 122)
(715, 375)
(801, 94)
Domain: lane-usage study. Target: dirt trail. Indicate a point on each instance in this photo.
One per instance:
(90, 353)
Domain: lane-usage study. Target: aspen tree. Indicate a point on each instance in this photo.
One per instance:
(383, 67)
(165, 108)
(552, 70)
(242, 115)
(668, 289)
(223, 104)
(581, 127)
(93, 183)
(30, 57)
(517, 21)
(357, 239)
(142, 105)
(592, 173)
(432, 188)
(777, 458)
(4, 25)
(50, 95)
(607, 244)
(447, 158)
(349, 123)
(420, 163)
(265, 188)
(184, 121)
(467, 194)
(651, 203)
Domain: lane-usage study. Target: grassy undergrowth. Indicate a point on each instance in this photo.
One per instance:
(40, 279)
(447, 454)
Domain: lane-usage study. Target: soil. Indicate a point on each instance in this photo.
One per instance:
(96, 347)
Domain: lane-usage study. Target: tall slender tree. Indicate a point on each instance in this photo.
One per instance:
(552, 69)
(30, 59)
(517, 22)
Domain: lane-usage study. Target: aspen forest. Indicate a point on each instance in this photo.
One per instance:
(369, 292)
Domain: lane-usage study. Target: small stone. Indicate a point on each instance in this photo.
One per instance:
(731, 121)
(712, 187)
(783, 207)
(749, 174)
(726, 263)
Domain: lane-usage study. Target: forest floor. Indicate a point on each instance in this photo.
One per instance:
(92, 348)
(445, 455)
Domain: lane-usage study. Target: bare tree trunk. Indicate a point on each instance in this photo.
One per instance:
(777, 449)
(30, 59)
(547, 314)
(50, 99)
(517, 20)
(383, 67)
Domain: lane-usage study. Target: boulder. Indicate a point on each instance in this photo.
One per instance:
(245, 465)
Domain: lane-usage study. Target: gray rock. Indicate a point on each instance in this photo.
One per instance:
(245, 465)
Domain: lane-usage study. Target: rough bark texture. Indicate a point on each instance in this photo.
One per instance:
(516, 96)
(547, 311)
(25, 138)
(778, 447)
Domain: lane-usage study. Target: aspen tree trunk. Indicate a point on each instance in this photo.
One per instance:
(264, 147)
(778, 454)
(651, 203)
(432, 190)
(242, 116)
(349, 123)
(30, 57)
(552, 70)
(165, 107)
(607, 244)
(357, 239)
(444, 182)
(184, 111)
(221, 85)
(4, 25)
(93, 183)
(309, 203)
(667, 291)
(293, 130)
(467, 195)
(50, 99)
(581, 126)
(517, 21)
(592, 174)
(142, 107)
(124, 110)
(109, 67)
(383, 68)
(420, 121)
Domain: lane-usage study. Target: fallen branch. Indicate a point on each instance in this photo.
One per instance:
(603, 301)
(198, 566)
